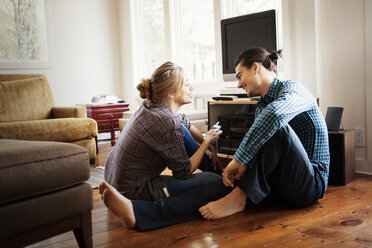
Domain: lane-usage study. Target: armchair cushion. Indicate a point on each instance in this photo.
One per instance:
(63, 129)
(25, 99)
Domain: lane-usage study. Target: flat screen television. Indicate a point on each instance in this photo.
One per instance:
(242, 32)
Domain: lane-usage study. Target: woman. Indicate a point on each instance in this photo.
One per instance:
(157, 137)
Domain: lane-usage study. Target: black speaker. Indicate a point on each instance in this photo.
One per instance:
(333, 118)
(342, 154)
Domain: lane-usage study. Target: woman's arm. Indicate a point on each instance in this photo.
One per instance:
(197, 135)
(210, 137)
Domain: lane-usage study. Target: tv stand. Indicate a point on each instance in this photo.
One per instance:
(235, 117)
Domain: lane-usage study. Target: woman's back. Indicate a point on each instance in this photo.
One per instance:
(151, 140)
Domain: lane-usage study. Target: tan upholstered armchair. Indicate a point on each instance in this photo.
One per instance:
(27, 112)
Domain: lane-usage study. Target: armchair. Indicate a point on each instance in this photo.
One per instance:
(27, 112)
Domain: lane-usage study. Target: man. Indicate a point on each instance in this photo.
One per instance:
(285, 154)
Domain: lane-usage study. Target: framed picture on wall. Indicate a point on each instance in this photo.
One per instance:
(23, 33)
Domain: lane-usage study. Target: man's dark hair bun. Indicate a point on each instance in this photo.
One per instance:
(274, 55)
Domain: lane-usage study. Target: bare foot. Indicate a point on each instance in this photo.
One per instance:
(231, 204)
(120, 205)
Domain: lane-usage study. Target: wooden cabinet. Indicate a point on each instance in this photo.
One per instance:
(235, 118)
(107, 116)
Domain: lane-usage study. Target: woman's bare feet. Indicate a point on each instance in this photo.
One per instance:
(120, 205)
(231, 204)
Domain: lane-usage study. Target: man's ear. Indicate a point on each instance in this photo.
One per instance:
(256, 67)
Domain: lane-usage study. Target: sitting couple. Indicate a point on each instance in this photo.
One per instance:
(284, 155)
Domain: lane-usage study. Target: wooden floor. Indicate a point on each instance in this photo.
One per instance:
(343, 218)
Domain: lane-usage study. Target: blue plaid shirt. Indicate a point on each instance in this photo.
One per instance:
(288, 102)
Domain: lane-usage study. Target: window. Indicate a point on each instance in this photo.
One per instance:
(199, 58)
(154, 50)
(178, 30)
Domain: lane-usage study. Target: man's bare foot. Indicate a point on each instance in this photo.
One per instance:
(120, 205)
(231, 204)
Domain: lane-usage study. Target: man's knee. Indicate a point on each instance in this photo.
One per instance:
(207, 178)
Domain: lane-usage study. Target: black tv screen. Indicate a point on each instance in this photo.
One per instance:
(243, 32)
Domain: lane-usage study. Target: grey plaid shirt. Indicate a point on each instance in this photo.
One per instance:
(151, 141)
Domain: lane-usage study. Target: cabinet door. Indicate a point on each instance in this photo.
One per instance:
(104, 126)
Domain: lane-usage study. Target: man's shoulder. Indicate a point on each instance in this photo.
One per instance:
(293, 86)
(289, 84)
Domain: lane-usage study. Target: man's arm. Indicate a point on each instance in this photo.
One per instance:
(292, 101)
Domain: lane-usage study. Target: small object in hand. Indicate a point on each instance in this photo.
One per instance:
(216, 126)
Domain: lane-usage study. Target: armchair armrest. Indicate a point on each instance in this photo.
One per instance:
(69, 112)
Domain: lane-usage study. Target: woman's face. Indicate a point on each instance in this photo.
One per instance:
(185, 95)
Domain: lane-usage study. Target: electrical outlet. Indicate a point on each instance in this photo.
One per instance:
(360, 137)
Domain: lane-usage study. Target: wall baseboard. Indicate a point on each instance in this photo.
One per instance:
(363, 166)
(364, 173)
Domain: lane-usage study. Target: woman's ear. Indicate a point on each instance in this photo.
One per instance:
(171, 96)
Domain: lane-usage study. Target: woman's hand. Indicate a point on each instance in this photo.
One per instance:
(232, 172)
(214, 158)
(211, 136)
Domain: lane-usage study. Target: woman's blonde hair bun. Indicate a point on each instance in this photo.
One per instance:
(144, 88)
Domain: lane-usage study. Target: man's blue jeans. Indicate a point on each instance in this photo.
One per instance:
(281, 168)
(283, 171)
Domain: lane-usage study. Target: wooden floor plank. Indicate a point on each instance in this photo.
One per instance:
(339, 227)
(358, 239)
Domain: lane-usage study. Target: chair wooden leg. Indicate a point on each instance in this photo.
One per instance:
(83, 234)
(96, 138)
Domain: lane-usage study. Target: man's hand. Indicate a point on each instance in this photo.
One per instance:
(232, 172)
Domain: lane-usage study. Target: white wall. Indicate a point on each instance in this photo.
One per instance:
(126, 75)
(299, 57)
(332, 45)
(84, 46)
